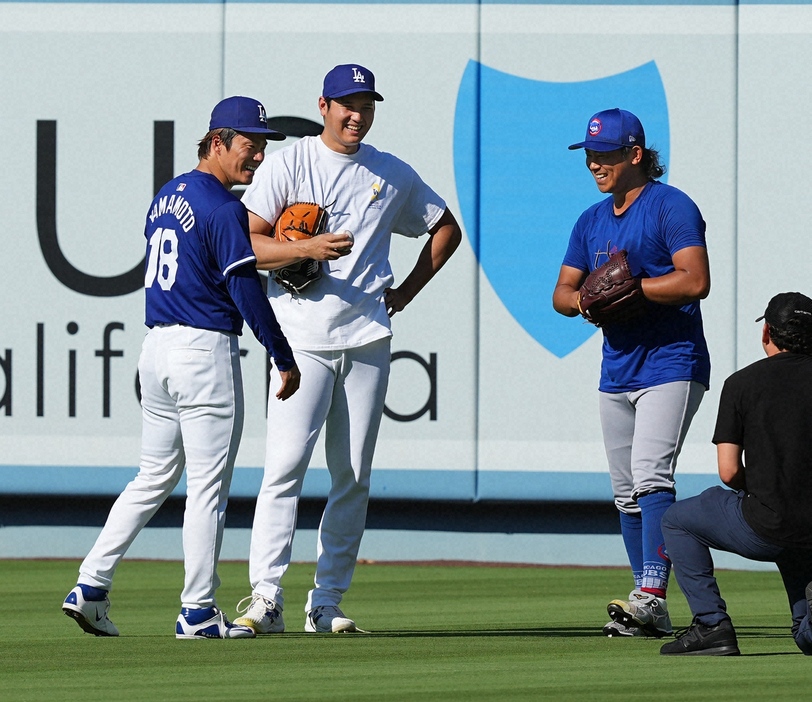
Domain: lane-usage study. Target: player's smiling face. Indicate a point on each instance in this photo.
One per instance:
(346, 121)
(614, 171)
(239, 162)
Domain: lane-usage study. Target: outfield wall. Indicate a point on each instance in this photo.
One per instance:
(493, 395)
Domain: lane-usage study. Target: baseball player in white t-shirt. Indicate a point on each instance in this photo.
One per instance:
(339, 329)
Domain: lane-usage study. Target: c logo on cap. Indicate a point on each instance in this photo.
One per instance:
(595, 127)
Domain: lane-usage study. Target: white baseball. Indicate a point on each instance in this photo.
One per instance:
(347, 247)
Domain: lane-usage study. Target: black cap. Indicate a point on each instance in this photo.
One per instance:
(786, 306)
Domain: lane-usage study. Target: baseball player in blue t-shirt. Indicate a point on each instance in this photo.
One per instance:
(655, 367)
(200, 282)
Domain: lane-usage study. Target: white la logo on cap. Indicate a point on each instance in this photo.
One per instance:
(357, 76)
(262, 117)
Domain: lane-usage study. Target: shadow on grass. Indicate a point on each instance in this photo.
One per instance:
(553, 632)
(763, 632)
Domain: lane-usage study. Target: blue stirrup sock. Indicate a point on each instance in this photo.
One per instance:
(656, 563)
(631, 528)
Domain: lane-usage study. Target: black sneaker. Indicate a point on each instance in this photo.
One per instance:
(701, 640)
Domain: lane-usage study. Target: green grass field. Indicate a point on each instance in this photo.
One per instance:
(440, 632)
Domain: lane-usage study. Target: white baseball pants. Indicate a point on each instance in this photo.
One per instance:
(343, 390)
(192, 412)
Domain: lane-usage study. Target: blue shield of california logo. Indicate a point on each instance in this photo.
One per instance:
(520, 189)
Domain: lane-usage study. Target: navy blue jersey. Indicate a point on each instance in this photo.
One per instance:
(197, 233)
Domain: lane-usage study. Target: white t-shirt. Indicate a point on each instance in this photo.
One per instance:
(370, 193)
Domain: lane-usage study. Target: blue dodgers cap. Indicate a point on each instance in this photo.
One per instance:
(242, 114)
(347, 79)
(610, 130)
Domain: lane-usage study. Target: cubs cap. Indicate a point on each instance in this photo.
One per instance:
(785, 307)
(242, 114)
(347, 79)
(610, 130)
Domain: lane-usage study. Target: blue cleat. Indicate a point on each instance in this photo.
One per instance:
(209, 623)
(89, 606)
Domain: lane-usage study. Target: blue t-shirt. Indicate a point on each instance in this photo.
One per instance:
(197, 233)
(667, 343)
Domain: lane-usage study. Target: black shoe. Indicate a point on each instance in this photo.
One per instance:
(701, 640)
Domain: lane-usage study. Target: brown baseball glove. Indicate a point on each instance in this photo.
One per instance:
(301, 220)
(611, 294)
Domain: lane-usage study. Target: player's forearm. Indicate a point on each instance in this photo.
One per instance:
(565, 294)
(435, 254)
(565, 300)
(246, 291)
(731, 465)
(676, 288)
(272, 254)
(736, 482)
(688, 282)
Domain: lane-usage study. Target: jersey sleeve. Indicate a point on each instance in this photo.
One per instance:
(246, 290)
(422, 208)
(576, 255)
(228, 239)
(682, 222)
(729, 421)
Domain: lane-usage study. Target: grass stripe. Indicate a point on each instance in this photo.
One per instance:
(440, 632)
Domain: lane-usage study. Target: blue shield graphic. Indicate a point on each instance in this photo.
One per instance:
(520, 189)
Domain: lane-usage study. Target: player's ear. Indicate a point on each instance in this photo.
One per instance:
(636, 155)
(216, 145)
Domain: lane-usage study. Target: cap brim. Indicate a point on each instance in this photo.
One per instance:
(376, 96)
(269, 134)
(760, 318)
(595, 146)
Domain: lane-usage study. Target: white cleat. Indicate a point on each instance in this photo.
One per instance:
(91, 615)
(612, 629)
(329, 619)
(643, 610)
(208, 623)
(262, 615)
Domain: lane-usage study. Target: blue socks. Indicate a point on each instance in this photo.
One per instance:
(656, 563)
(631, 528)
(92, 594)
(643, 538)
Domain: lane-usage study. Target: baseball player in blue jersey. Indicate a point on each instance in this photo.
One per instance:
(201, 283)
(656, 367)
(339, 328)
